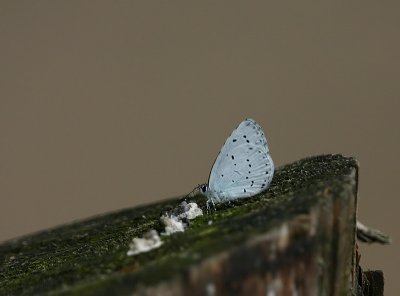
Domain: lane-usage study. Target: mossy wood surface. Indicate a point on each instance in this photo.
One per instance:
(298, 236)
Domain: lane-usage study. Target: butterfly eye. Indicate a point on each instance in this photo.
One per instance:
(204, 188)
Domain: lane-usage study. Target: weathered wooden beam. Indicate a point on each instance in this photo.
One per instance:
(298, 237)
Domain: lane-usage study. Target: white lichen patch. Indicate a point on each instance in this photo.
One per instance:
(187, 211)
(172, 224)
(178, 219)
(191, 211)
(151, 240)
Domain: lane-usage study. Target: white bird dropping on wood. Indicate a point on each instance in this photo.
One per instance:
(243, 167)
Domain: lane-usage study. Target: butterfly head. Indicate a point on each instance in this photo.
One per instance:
(203, 188)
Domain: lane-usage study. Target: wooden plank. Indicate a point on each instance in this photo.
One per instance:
(298, 237)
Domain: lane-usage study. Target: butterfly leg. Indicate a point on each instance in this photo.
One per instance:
(210, 200)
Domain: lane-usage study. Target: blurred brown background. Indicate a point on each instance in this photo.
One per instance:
(106, 105)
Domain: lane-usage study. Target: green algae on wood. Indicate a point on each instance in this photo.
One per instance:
(89, 257)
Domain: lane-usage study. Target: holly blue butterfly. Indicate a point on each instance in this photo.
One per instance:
(243, 167)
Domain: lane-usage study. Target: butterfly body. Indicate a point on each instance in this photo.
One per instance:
(243, 167)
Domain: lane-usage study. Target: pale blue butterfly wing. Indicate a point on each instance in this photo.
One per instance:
(243, 167)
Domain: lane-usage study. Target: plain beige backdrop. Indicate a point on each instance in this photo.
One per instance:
(111, 104)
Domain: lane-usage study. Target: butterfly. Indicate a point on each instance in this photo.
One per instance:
(243, 167)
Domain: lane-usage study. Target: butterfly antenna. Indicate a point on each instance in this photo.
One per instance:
(190, 194)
